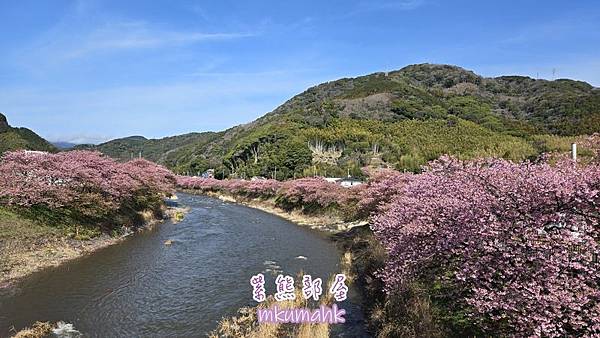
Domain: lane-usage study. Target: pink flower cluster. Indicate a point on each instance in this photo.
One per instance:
(592, 143)
(199, 183)
(383, 185)
(300, 192)
(315, 191)
(519, 239)
(77, 180)
(257, 188)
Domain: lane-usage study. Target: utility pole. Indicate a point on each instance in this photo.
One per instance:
(574, 152)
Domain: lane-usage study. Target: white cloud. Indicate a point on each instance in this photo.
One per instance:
(63, 44)
(121, 36)
(133, 35)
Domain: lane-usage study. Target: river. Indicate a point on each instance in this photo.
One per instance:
(144, 288)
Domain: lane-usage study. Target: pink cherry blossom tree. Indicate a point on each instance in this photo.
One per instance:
(519, 239)
(82, 181)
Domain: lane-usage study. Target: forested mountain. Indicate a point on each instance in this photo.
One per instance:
(400, 119)
(175, 151)
(64, 145)
(20, 138)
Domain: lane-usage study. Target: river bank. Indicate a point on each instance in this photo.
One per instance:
(326, 222)
(27, 246)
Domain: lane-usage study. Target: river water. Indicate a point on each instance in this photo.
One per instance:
(144, 288)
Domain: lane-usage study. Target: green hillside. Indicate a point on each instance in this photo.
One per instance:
(400, 119)
(171, 151)
(20, 138)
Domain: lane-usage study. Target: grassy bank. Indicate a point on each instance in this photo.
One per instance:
(28, 244)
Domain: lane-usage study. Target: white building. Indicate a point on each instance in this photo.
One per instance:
(35, 152)
(350, 182)
(347, 182)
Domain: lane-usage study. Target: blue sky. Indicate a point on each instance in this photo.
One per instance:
(91, 70)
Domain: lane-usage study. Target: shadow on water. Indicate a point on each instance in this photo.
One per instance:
(143, 288)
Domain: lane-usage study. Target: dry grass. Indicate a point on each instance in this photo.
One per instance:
(37, 330)
(313, 331)
(27, 246)
(18, 238)
(410, 315)
(241, 325)
(245, 323)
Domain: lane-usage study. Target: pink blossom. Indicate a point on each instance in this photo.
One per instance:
(79, 180)
(518, 238)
